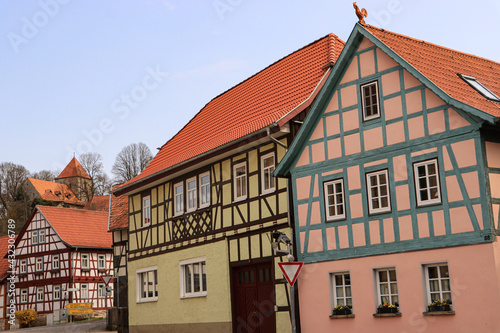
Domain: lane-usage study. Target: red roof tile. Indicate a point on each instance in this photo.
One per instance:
(254, 104)
(73, 169)
(99, 203)
(55, 191)
(4, 261)
(441, 66)
(79, 227)
(118, 218)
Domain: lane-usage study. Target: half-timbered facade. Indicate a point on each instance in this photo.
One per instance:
(62, 255)
(201, 213)
(396, 177)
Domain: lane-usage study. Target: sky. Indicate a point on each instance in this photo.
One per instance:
(81, 76)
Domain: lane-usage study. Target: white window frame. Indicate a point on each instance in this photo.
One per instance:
(34, 237)
(40, 294)
(146, 211)
(23, 266)
(479, 87)
(391, 295)
(269, 185)
(241, 180)
(336, 296)
(334, 195)
(179, 199)
(41, 236)
(101, 290)
(440, 282)
(39, 264)
(84, 291)
(191, 195)
(56, 293)
(85, 261)
(24, 296)
(101, 261)
(363, 106)
(55, 262)
(187, 291)
(204, 190)
(369, 187)
(418, 189)
(140, 275)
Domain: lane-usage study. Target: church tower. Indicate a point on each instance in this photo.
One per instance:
(78, 180)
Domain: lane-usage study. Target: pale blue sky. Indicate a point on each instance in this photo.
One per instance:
(79, 75)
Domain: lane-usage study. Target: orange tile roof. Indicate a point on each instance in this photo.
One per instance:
(4, 261)
(99, 203)
(441, 66)
(79, 227)
(252, 105)
(73, 169)
(55, 191)
(118, 218)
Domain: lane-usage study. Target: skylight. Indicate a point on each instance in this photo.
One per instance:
(474, 83)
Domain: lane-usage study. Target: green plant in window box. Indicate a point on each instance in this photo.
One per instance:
(387, 308)
(340, 310)
(440, 305)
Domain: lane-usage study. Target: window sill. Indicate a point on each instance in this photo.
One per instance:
(342, 316)
(194, 295)
(438, 313)
(379, 315)
(155, 299)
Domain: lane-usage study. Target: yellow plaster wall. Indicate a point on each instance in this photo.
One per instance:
(170, 308)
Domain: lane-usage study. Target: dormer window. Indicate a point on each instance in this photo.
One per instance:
(478, 86)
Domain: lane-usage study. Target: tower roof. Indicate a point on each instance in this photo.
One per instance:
(73, 169)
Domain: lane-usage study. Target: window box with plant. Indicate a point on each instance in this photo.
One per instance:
(439, 305)
(387, 308)
(342, 310)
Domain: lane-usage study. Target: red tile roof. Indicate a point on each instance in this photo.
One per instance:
(252, 105)
(4, 261)
(55, 191)
(79, 227)
(119, 212)
(441, 66)
(99, 203)
(73, 169)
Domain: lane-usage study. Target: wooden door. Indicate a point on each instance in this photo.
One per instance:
(253, 299)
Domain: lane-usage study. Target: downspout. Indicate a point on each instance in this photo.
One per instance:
(274, 139)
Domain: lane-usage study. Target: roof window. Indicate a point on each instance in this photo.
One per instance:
(474, 83)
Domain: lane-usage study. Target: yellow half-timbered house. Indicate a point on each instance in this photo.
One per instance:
(201, 213)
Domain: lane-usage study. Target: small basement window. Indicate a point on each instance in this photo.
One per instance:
(474, 83)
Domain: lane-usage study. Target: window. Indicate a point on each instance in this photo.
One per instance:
(55, 261)
(24, 295)
(85, 261)
(334, 200)
(437, 279)
(22, 267)
(56, 293)
(34, 237)
(41, 237)
(191, 194)
(101, 290)
(101, 262)
(427, 183)
(193, 276)
(84, 291)
(39, 294)
(240, 181)
(147, 284)
(204, 190)
(378, 192)
(146, 211)
(341, 286)
(39, 264)
(387, 286)
(179, 198)
(267, 167)
(474, 83)
(369, 101)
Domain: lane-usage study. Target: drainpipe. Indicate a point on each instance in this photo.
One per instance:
(275, 140)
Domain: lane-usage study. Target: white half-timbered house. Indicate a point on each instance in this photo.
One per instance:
(62, 255)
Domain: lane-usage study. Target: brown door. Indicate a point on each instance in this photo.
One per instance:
(253, 299)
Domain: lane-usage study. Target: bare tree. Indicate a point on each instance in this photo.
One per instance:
(12, 176)
(131, 161)
(92, 163)
(47, 175)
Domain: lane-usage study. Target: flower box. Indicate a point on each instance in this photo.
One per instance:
(341, 312)
(387, 310)
(433, 308)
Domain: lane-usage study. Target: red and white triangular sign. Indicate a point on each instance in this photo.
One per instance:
(106, 279)
(291, 270)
